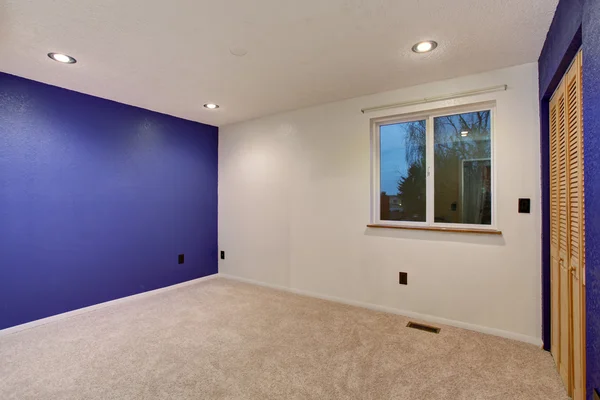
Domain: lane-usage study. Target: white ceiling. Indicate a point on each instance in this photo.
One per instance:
(173, 56)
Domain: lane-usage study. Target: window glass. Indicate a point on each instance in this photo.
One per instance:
(403, 171)
(463, 168)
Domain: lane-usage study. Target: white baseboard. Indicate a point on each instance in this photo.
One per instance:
(79, 311)
(424, 317)
(409, 314)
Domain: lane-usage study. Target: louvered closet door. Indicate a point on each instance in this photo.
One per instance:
(582, 277)
(567, 231)
(555, 268)
(563, 242)
(575, 232)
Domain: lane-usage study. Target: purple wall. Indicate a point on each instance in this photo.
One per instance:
(591, 130)
(97, 199)
(562, 43)
(577, 23)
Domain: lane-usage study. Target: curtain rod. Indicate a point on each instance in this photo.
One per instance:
(438, 98)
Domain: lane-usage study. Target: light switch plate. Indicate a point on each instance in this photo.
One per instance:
(524, 206)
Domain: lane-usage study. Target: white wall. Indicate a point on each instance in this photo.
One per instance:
(294, 203)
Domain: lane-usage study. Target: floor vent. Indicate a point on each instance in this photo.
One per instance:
(422, 327)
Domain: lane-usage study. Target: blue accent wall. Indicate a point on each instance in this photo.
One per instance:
(97, 199)
(591, 131)
(562, 43)
(577, 23)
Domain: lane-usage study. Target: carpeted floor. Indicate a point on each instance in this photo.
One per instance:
(221, 339)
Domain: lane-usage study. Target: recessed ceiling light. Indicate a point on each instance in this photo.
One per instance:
(464, 133)
(211, 106)
(63, 58)
(424, 47)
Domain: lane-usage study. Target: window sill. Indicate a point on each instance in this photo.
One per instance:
(438, 229)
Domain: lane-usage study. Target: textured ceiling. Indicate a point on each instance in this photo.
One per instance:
(174, 56)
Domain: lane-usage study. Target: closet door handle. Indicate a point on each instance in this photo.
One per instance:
(572, 270)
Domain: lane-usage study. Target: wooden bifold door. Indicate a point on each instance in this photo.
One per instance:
(567, 230)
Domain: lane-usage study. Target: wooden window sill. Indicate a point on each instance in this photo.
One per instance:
(438, 229)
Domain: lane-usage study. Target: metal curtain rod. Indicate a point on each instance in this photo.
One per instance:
(491, 89)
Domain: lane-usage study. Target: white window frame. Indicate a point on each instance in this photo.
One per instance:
(429, 116)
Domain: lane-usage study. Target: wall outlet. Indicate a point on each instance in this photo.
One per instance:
(180, 259)
(222, 255)
(403, 278)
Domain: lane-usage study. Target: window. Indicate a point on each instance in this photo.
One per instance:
(434, 169)
(402, 164)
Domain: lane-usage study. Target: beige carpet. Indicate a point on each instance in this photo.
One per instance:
(226, 340)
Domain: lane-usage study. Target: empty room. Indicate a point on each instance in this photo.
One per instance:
(275, 199)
